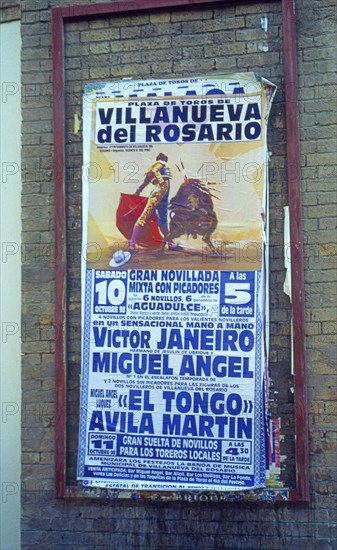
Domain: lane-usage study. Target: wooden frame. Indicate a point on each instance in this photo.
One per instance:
(59, 17)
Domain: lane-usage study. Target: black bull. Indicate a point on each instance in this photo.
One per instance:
(192, 212)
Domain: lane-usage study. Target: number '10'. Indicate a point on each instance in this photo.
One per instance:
(112, 292)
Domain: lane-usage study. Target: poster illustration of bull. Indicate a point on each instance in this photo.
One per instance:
(174, 284)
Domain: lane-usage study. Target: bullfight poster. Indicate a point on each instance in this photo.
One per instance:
(174, 284)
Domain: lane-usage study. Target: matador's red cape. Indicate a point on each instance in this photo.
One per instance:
(129, 209)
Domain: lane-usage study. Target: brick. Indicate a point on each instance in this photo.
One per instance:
(93, 36)
(159, 18)
(322, 211)
(149, 56)
(186, 65)
(191, 39)
(171, 29)
(249, 35)
(195, 52)
(190, 16)
(319, 53)
(196, 27)
(327, 66)
(329, 249)
(220, 27)
(225, 63)
(165, 68)
(327, 171)
(100, 47)
(225, 50)
(10, 11)
(262, 59)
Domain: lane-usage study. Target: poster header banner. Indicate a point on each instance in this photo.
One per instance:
(178, 121)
